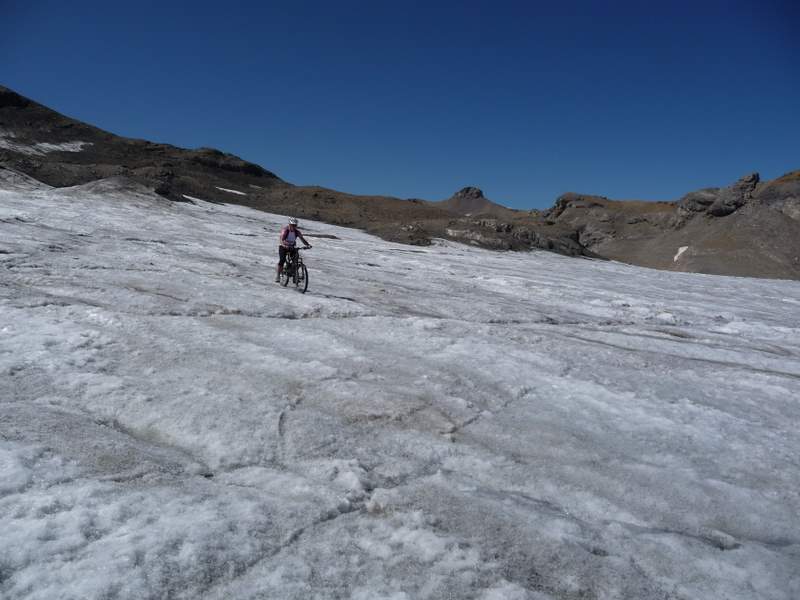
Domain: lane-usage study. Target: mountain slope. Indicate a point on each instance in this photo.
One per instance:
(61, 151)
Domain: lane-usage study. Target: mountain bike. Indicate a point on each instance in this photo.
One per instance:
(295, 270)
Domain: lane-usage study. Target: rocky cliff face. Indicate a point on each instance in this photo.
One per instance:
(782, 194)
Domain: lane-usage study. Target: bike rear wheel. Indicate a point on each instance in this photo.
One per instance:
(285, 276)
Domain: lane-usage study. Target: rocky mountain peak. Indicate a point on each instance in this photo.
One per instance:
(470, 200)
(469, 192)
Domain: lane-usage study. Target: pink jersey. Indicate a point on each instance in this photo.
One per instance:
(289, 237)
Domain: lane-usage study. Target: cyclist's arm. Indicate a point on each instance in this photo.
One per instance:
(300, 235)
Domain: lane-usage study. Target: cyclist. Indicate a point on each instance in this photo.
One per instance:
(289, 235)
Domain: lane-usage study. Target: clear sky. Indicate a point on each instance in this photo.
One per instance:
(418, 99)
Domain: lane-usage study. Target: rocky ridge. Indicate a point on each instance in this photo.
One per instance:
(750, 228)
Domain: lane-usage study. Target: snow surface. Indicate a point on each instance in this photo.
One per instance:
(441, 422)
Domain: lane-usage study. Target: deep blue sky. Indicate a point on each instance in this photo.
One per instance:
(417, 99)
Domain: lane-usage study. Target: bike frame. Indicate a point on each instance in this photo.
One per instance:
(293, 260)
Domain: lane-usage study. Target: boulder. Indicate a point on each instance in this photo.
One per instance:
(571, 200)
(698, 201)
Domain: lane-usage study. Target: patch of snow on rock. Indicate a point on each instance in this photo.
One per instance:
(39, 149)
(231, 191)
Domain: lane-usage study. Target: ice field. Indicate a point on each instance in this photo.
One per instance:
(438, 422)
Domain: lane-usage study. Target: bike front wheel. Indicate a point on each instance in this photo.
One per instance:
(301, 280)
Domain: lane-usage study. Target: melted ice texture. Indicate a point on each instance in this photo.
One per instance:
(439, 422)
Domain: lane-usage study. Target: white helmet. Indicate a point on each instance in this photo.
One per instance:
(292, 221)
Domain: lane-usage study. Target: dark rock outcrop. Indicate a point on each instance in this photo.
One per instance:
(717, 202)
(699, 201)
(571, 201)
(9, 98)
(734, 197)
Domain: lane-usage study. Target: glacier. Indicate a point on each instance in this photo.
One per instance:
(425, 422)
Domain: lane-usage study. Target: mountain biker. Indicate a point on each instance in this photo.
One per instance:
(288, 239)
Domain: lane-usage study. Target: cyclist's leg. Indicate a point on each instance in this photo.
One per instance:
(281, 260)
(293, 269)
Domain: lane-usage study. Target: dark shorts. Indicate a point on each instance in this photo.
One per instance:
(283, 251)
